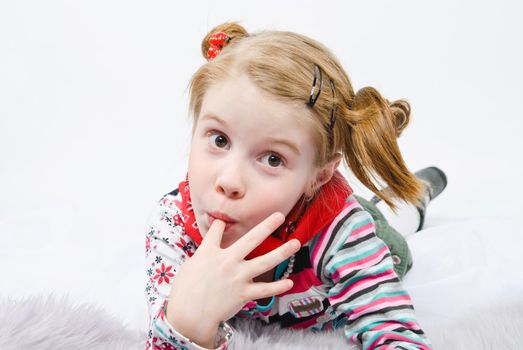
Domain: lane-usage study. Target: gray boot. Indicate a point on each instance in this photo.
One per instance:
(436, 181)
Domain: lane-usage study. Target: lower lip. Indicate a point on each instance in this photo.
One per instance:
(210, 220)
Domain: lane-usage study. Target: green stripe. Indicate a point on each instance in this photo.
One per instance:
(375, 336)
(359, 224)
(376, 323)
(314, 241)
(354, 258)
(380, 295)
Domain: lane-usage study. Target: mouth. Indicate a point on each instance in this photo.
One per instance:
(211, 216)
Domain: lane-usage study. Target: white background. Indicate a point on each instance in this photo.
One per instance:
(94, 126)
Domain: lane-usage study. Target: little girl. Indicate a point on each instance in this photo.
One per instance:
(264, 225)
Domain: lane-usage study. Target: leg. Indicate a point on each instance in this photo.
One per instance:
(409, 219)
(392, 228)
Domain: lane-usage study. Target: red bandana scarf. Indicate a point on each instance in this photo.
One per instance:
(303, 222)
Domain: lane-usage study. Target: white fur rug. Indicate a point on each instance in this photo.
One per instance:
(42, 323)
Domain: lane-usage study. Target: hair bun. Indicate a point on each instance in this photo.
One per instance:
(233, 30)
(371, 102)
(401, 111)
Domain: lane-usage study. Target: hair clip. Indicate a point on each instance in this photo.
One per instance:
(334, 106)
(312, 98)
(333, 115)
(217, 41)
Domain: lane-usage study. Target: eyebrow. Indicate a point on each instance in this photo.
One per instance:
(270, 140)
(215, 118)
(284, 142)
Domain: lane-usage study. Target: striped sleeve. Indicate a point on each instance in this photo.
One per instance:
(357, 267)
(167, 247)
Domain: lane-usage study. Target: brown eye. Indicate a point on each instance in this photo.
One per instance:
(273, 160)
(219, 140)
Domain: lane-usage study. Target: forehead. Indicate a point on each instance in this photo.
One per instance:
(243, 105)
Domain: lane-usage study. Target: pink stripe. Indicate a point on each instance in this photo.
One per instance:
(345, 269)
(388, 326)
(361, 232)
(360, 285)
(325, 235)
(367, 282)
(316, 253)
(397, 336)
(379, 304)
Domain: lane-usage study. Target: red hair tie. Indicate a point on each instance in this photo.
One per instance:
(217, 41)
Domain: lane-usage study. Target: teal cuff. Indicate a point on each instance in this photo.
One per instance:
(278, 272)
(266, 307)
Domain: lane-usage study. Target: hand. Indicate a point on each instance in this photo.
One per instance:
(215, 283)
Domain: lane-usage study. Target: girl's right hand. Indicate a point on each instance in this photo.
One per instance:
(215, 283)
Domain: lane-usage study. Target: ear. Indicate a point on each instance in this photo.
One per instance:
(324, 174)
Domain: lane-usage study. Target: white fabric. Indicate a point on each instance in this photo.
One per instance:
(57, 324)
(464, 264)
(459, 265)
(406, 219)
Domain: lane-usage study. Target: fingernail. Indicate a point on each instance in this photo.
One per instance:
(295, 244)
(278, 216)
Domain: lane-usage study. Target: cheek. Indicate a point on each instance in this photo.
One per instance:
(198, 169)
(198, 179)
(282, 198)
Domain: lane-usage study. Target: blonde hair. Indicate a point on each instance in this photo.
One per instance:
(366, 125)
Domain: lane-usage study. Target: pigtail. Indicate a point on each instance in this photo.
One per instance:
(371, 149)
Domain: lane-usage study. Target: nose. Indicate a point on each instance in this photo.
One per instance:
(229, 182)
